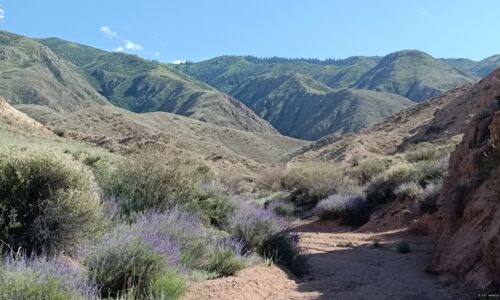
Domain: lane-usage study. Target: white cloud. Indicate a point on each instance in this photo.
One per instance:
(425, 13)
(2, 14)
(132, 46)
(178, 62)
(119, 49)
(108, 32)
(157, 54)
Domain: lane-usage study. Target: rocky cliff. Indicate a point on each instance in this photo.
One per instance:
(468, 216)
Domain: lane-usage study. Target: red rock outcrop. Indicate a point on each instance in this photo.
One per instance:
(468, 216)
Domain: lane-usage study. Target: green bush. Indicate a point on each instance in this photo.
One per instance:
(282, 208)
(47, 202)
(215, 204)
(223, 262)
(27, 286)
(169, 285)
(283, 248)
(149, 183)
(350, 210)
(271, 179)
(121, 267)
(421, 152)
(312, 182)
(43, 278)
(368, 169)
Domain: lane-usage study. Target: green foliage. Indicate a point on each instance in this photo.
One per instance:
(47, 201)
(315, 181)
(368, 169)
(26, 286)
(147, 182)
(282, 208)
(118, 268)
(350, 210)
(222, 262)
(283, 249)
(168, 286)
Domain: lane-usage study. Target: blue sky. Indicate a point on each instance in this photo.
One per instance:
(195, 30)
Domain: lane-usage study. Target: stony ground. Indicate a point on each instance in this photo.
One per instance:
(343, 265)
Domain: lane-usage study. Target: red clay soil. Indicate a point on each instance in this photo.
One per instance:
(468, 236)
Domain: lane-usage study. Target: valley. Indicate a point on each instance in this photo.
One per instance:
(243, 177)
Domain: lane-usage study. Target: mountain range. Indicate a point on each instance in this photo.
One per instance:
(301, 98)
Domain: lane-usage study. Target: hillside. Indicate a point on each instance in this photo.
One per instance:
(227, 73)
(414, 124)
(31, 73)
(14, 121)
(478, 68)
(117, 129)
(139, 85)
(301, 107)
(413, 74)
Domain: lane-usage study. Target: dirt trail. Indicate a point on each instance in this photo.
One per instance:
(344, 265)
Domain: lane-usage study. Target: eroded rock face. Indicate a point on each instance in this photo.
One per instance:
(468, 216)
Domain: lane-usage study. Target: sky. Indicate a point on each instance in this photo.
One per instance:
(178, 30)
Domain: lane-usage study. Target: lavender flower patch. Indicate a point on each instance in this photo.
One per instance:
(50, 276)
(349, 209)
(253, 225)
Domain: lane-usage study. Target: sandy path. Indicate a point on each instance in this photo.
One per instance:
(344, 265)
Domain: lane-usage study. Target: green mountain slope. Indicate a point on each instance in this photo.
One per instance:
(302, 107)
(413, 74)
(480, 68)
(228, 72)
(31, 73)
(136, 84)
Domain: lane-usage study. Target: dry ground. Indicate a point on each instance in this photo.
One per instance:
(343, 265)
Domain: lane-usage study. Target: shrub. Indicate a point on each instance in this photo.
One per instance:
(368, 169)
(253, 225)
(272, 178)
(43, 278)
(148, 182)
(281, 208)
(409, 190)
(47, 202)
(222, 262)
(350, 210)
(183, 243)
(429, 171)
(121, 264)
(420, 152)
(428, 202)
(215, 204)
(169, 285)
(283, 248)
(313, 182)
(403, 247)
(382, 189)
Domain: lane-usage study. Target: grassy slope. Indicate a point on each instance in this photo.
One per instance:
(120, 130)
(413, 74)
(32, 73)
(139, 85)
